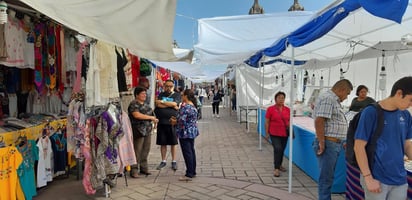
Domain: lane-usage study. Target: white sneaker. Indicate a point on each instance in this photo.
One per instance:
(217, 116)
(213, 115)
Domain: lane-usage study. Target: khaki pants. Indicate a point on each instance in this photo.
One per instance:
(142, 148)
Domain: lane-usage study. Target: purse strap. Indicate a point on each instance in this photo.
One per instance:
(281, 116)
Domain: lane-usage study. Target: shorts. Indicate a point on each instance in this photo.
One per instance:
(166, 135)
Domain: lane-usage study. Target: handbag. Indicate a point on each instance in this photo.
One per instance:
(288, 133)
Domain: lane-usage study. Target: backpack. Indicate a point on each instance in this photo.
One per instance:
(371, 145)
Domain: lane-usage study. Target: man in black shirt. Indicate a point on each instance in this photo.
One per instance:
(167, 105)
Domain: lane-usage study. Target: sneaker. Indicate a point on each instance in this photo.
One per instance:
(174, 166)
(161, 165)
(217, 116)
(213, 115)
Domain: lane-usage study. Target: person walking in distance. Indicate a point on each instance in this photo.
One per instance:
(233, 98)
(142, 119)
(167, 105)
(331, 128)
(217, 98)
(387, 177)
(202, 94)
(187, 131)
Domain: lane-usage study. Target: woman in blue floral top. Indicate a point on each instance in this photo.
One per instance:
(187, 130)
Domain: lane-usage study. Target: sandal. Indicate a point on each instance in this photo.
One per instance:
(282, 169)
(185, 178)
(276, 173)
(134, 173)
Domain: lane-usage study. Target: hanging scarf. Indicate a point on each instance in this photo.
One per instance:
(38, 69)
(51, 46)
(61, 72)
(135, 70)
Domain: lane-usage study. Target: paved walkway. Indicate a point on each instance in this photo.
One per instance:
(230, 166)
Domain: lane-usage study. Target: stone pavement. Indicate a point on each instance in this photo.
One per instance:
(230, 165)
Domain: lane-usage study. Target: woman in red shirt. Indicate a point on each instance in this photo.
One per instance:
(277, 120)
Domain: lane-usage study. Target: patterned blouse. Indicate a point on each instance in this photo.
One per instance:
(186, 126)
(140, 128)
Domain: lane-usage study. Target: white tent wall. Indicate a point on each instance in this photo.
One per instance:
(366, 72)
(249, 88)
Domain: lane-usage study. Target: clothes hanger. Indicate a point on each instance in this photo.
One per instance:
(2, 143)
(21, 140)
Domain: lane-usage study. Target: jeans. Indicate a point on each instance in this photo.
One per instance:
(389, 192)
(327, 164)
(233, 104)
(279, 145)
(215, 107)
(187, 146)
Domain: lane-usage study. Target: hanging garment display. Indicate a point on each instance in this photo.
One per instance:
(10, 159)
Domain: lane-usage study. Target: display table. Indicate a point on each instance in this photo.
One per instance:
(303, 154)
(247, 110)
(32, 133)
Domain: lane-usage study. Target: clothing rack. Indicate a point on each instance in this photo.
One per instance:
(93, 111)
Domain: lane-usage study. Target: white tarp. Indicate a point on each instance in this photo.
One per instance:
(144, 27)
(233, 39)
(194, 72)
(249, 88)
(386, 48)
(366, 72)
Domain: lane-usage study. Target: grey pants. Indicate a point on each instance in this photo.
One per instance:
(142, 148)
(389, 192)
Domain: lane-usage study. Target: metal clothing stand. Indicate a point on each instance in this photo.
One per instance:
(108, 187)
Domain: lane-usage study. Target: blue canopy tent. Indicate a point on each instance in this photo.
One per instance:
(322, 24)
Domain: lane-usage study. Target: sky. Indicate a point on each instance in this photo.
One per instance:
(189, 11)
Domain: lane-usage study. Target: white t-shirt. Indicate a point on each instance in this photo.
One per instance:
(202, 92)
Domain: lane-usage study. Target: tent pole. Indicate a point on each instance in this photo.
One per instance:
(291, 120)
(376, 79)
(260, 103)
(247, 106)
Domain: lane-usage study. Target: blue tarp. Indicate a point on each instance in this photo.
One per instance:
(297, 62)
(321, 25)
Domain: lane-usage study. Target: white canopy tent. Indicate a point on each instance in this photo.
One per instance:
(122, 23)
(233, 39)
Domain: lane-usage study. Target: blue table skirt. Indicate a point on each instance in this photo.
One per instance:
(304, 156)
